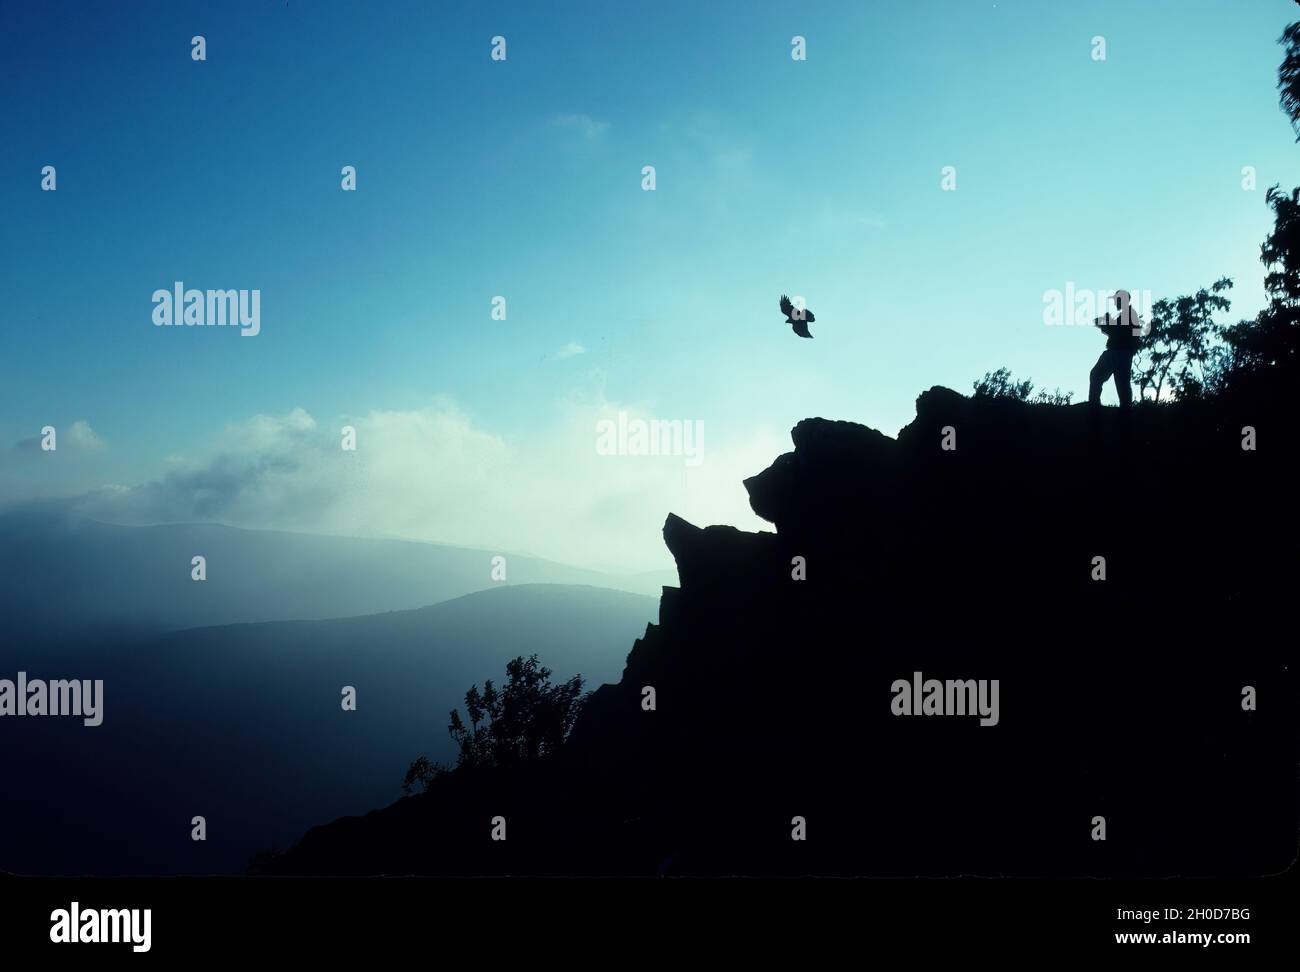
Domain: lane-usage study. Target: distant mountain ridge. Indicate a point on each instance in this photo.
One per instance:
(63, 576)
(243, 724)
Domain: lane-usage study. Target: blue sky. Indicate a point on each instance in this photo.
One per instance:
(522, 178)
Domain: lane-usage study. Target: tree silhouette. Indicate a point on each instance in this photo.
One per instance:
(1288, 76)
(524, 719)
(1182, 350)
(1266, 346)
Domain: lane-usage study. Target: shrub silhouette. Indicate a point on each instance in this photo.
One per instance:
(1000, 384)
(421, 773)
(524, 719)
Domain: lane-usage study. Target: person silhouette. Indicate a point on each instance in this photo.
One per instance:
(1124, 336)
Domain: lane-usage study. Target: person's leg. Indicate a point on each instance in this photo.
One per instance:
(1097, 377)
(1123, 364)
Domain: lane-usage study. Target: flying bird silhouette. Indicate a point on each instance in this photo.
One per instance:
(798, 319)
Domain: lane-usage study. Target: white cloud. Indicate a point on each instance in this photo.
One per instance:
(568, 351)
(83, 437)
(432, 474)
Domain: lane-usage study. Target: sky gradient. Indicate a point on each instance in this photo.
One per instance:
(522, 178)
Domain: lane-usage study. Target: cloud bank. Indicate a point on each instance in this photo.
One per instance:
(433, 474)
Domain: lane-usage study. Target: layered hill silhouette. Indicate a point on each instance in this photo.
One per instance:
(243, 725)
(65, 577)
(1121, 698)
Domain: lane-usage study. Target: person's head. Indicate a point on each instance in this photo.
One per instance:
(1121, 299)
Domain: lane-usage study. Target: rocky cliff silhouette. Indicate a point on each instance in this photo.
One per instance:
(1121, 698)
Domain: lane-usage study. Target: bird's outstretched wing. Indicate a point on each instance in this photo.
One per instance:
(801, 327)
(787, 308)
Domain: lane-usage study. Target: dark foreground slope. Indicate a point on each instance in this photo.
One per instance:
(1118, 698)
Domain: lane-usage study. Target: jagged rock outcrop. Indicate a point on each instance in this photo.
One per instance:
(775, 696)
